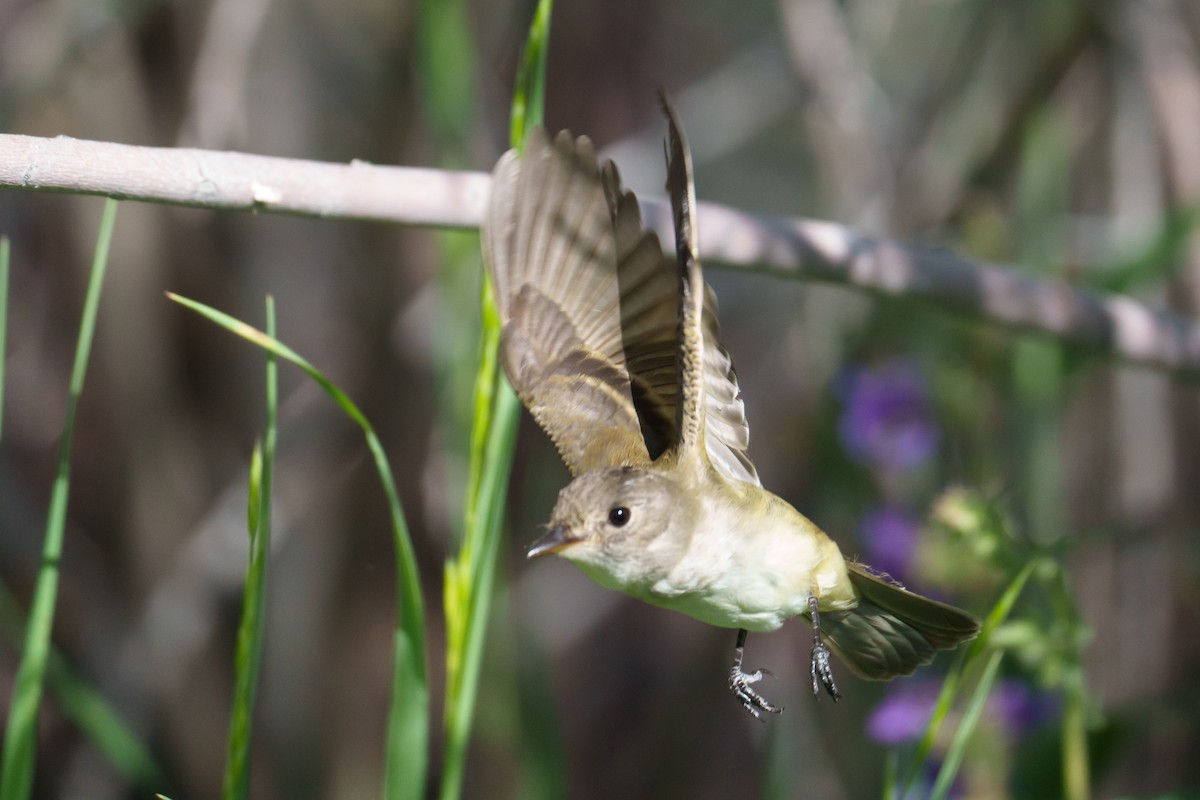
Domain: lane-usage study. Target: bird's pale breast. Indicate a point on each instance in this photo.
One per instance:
(752, 563)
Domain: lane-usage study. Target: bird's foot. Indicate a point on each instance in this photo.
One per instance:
(752, 701)
(822, 673)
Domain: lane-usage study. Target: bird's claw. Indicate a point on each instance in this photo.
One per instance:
(752, 701)
(822, 673)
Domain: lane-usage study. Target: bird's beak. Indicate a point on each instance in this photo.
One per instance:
(555, 539)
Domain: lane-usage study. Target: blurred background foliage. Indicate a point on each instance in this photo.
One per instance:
(1060, 135)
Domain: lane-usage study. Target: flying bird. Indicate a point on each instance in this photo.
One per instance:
(613, 347)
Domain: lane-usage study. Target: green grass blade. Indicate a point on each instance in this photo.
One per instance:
(1076, 770)
(20, 736)
(86, 707)
(999, 613)
(950, 685)
(248, 659)
(408, 719)
(249, 645)
(529, 95)
(966, 727)
(4, 253)
(470, 576)
(891, 777)
(80, 702)
(446, 58)
(469, 592)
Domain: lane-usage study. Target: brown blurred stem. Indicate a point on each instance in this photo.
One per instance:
(795, 248)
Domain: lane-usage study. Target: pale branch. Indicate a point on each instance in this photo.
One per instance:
(1116, 324)
(238, 181)
(796, 248)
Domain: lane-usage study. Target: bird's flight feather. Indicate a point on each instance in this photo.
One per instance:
(590, 308)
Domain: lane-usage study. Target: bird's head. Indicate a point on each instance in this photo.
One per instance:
(622, 526)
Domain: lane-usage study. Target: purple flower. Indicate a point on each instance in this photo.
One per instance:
(1019, 708)
(886, 419)
(904, 712)
(889, 535)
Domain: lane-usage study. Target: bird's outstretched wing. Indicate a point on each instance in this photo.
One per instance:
(590, 311)
(588, 308)
(710, 412)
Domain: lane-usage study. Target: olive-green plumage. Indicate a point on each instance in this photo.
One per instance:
(613, 347)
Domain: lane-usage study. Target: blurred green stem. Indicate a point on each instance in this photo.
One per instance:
(407, 750)
(1076, 767)
(85, 706)
(248, 658)
(20, 738)
(953, 680)
(966, 727)
(1076, 780)
(470, 576)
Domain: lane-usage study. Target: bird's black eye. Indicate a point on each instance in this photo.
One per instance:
(618, 516)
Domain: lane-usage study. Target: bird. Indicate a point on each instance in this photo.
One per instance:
(613, 347)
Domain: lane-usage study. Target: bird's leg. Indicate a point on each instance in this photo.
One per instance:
(822, 673)
(740, 682)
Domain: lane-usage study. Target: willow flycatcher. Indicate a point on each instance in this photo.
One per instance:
(613, 348)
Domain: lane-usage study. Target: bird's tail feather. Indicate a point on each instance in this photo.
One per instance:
(892, 631)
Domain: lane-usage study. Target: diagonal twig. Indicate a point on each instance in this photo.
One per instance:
(797, 248)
